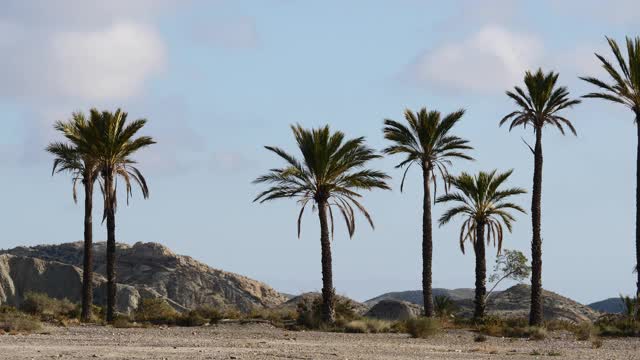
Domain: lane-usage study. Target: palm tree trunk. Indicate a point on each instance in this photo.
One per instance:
(427, 244)
(111, 247)
(535, 315)
(87, 266)
(481, 273)
(638, 207)
(328, 308)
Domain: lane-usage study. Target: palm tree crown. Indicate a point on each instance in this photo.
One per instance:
(112, 139)
(426, 142)
(625, 83)
(68, 157)
(331, 171)
(540, 105)
(481, 202)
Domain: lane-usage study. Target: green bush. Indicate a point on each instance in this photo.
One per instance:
(309, 316)
(422, 327)
(510, 327)
(156, 311)
(40, 304)
(617, 326)
(210, 313)
(191, 318)
(444, 306)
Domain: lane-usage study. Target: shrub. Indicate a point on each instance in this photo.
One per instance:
(13, 322)
(616, 326)
(480, 338)
(211, 314)
(596, 343)
(191, 318)
(310, 315)
(584, 331)
(277, 317)
(422, 327)
(48, 308)
(510, 327)
(156, 311)
(537, 333)
(367, 325)
(123, 322)
(444, 306)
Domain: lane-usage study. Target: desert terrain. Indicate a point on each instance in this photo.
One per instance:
(262, 341)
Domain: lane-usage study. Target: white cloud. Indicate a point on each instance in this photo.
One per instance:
(111, 63)
(490, 60)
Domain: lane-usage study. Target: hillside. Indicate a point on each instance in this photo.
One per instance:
(150, 270)
(513, 302)
(415, 296)
(610, 305)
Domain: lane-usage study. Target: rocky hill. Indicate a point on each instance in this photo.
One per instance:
(415, 296)
(143, 270)
(610, 305)
(513, 302)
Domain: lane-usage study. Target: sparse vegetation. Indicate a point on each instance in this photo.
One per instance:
(444, 306)
(155, 311)
(14, 321)
(366, 325)
(422, 327)
(511, 327)
(47, 308)
(480, 338)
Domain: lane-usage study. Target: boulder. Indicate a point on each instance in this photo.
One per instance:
(393, 310)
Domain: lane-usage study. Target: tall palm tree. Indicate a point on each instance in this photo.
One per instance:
(539, 106)
(83, 168)
(485, 207)
(329, 176)
(624, 88)
(113, 142)
(427, 142)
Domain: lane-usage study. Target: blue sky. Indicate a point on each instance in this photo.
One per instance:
(217, 80)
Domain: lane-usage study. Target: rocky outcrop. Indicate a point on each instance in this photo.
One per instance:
(516, 301)
(150, 270)
(20, 275)
(393, 310)
(513, 302)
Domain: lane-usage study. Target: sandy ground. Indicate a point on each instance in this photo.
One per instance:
(261, 341)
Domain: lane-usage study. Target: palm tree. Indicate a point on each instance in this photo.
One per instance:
(624, 88)
(329, 176)
(485, 208)
(538, 107)
(113, 142)
(428, 143)
(82, 168)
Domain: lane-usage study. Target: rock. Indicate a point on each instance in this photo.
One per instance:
(516, 301)
(393, 310)
(148, 270)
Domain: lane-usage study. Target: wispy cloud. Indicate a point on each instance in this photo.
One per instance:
(487, 61)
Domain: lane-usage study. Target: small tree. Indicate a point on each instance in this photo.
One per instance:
(512, 265)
